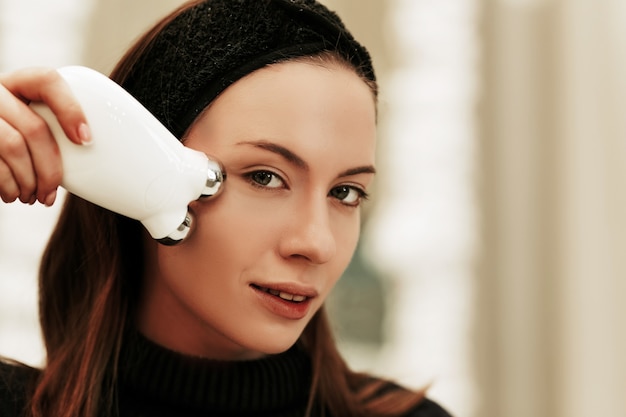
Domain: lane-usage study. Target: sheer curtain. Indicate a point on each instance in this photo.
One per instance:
(550, 331)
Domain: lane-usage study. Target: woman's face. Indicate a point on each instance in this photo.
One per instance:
(297, 141)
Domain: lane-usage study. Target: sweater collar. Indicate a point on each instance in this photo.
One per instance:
(152, 373)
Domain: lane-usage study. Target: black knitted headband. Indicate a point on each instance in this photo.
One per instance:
(216, 42)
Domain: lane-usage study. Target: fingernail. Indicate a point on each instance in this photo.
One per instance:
(50, 198)
(84, 134)
(33, 199)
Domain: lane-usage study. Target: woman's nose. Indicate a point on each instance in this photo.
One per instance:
(309, 234)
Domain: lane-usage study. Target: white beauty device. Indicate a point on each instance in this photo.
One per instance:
(134, 166)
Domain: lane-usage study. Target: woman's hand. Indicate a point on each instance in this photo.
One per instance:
(30, 162)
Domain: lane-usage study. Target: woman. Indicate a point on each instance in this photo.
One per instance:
(231, 321)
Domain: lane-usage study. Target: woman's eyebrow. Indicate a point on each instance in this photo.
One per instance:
(301, 163)
(279, 150)
(366, 169)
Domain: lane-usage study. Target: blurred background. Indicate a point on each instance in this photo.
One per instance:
(493, 260)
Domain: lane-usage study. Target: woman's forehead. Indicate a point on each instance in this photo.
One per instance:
(306, 108)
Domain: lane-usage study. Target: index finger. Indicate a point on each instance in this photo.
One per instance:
(47, 86)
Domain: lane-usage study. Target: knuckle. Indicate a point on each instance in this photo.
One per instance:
(7, 198)
(8, 188)
(12, 144)
(73, 108)
(49, 75)
(28, 187)
(50, 180)
(37, 128)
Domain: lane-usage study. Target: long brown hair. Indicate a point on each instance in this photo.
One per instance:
(89, 281)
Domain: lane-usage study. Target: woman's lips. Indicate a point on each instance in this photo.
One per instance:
(285, 300)
(284, 295)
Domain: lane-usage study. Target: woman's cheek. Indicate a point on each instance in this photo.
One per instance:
(238, 215)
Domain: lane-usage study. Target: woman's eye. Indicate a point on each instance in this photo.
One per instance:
(265, 179)
(350, 196)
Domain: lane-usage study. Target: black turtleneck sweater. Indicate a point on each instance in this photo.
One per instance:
(156, 382)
